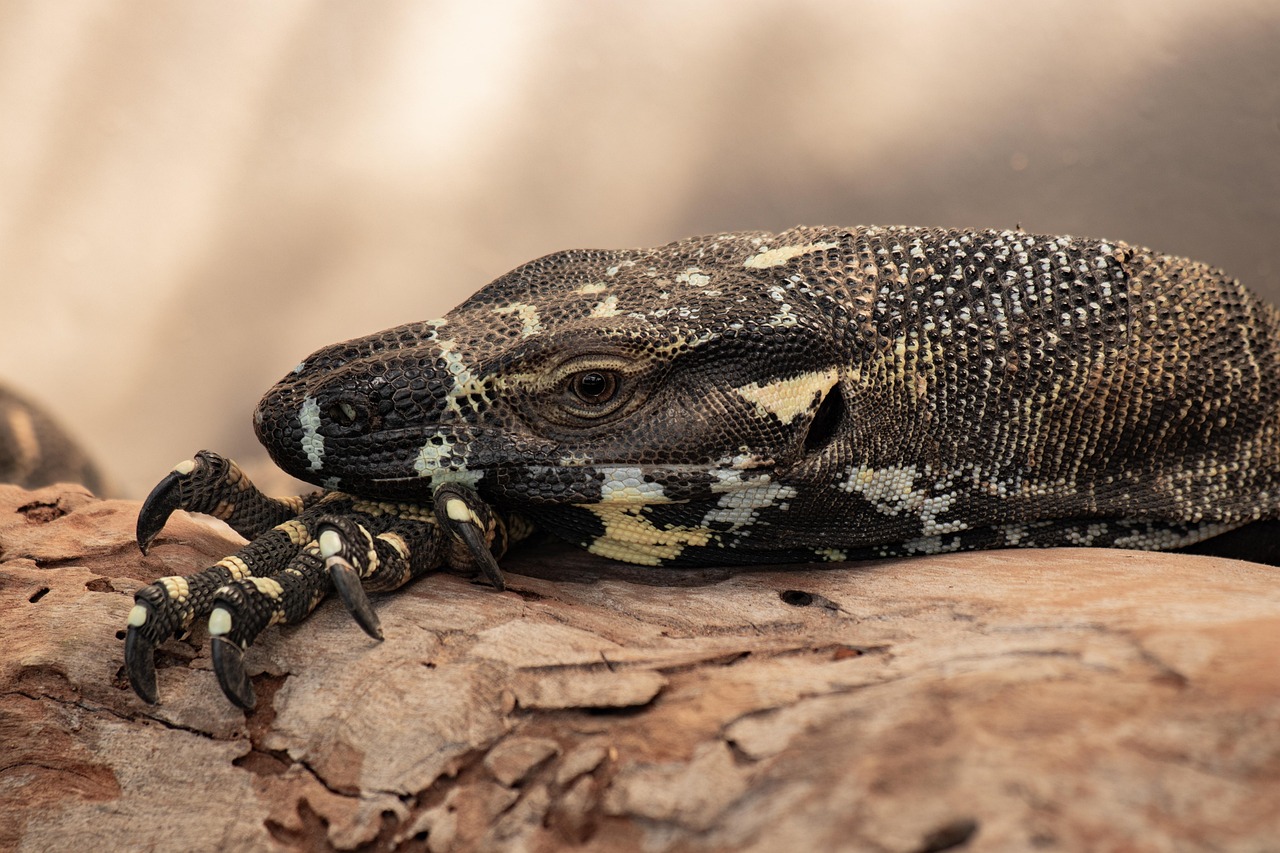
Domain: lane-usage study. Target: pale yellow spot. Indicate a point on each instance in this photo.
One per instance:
(530, 322)
(787, 399)
(457, 509)
(834, 555)
(293, 502)
(694, 276)
(329, 543)
(176, 587)
(607, 307)
(371, 554)
(235, 567)
(296, 531)
(219, 622)
(409, 512)
(396, 541)
(779, 256)
(594, 287)
(268, 587)
(632, 538)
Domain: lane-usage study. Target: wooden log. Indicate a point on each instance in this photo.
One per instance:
(1066, 699)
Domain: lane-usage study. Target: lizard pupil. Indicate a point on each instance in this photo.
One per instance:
(595, 386)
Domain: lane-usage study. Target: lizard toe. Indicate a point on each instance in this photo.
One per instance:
(464, 516)
(228, 665)
(160, 504)
(337, 551)
(139, 657)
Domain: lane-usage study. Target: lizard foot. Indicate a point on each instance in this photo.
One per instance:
(300, 548)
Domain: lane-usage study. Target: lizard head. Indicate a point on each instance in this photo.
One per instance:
(664, 375)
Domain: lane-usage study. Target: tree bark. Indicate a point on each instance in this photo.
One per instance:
(1064, 699)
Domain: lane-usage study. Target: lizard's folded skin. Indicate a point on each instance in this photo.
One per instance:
(819, 394)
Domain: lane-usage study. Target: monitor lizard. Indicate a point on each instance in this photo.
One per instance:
(821, 394)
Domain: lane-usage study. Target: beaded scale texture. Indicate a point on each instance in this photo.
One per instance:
(818, 394)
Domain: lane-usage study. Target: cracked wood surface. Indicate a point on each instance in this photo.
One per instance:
(1063, 699)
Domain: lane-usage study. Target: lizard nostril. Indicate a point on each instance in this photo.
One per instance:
(348, 415)
(825, 421)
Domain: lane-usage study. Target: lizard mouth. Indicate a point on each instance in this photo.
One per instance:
(577, 481)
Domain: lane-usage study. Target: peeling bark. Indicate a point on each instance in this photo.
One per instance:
(1069, 699)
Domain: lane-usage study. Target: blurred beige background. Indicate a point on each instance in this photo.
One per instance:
(196, 194)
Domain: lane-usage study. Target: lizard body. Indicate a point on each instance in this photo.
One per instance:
(819, 394)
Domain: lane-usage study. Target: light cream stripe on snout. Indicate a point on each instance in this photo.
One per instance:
(312, 440)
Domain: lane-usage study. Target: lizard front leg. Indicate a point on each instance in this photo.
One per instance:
(288, 568)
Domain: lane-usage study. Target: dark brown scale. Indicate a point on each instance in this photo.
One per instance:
(834, 393)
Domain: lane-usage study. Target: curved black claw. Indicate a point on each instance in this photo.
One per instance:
(157, 508)
(334, 541)
(140, 656)
(471, 534)
(352, 593)
(228, 663)
(464, 516)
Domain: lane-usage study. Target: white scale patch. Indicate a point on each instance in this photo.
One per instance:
(312, 440)
(453, 363)
(779, 256)
(740, 462)
(1163, 540)
(694, 276)
(784, 317)
(607, 307)
(931, 545)
(632, 538)
(436, 460)
(1087, 536)
(530, 322)
(465, 383)
(787, 399)
(892, 491)
(743, 498)
(627, 485)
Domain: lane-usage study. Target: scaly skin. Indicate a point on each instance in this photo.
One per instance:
(820, 394)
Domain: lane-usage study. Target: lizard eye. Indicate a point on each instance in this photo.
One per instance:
(588, 389)
(592, 393)
(594, 387)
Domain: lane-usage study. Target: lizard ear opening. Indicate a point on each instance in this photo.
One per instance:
(825, 421)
